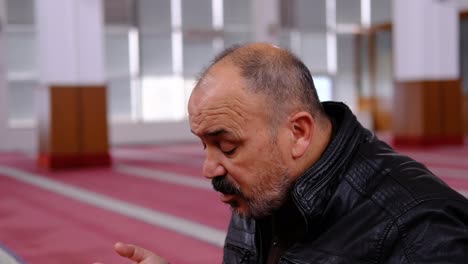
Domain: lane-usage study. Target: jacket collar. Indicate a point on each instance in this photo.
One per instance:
(315, 187)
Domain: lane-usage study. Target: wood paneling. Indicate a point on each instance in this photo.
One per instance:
(73, 127)
(94, 120)
(465, 113)
(383, 117)
(381, 110)
(464, 14)
(381, 27)
(408, 116)
(428, 112)
(452, 105)
(64, 120)
(43, 115)
(366, 103)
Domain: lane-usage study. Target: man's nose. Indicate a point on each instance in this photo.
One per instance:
(212, 166)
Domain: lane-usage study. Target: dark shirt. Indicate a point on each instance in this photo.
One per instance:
(282, 236)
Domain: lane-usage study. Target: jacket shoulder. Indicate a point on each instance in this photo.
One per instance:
(435, 230)
(394, 182)
(426, 219)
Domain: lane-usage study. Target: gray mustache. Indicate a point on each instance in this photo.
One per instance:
(221, 184)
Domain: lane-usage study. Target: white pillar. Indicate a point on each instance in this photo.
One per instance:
(3, 81)
(70, 41)
(426, 41)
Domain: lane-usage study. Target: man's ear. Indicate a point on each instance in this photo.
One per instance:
(301, 125)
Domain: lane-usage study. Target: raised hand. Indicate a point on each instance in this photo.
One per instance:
(137, 254)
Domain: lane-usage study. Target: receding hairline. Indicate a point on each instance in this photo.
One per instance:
(274, 72)
(228, 56)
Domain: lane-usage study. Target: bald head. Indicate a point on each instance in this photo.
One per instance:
(271, 71)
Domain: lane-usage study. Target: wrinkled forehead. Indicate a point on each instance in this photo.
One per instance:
(235, 112)
(220, 86)
(210, 102)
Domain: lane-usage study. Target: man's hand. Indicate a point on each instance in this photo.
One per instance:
(137, 254)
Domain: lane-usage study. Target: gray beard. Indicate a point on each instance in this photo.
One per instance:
(270, 196)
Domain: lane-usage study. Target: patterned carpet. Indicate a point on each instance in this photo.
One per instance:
(154, 196)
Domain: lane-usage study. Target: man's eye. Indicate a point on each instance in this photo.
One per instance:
(230, 152)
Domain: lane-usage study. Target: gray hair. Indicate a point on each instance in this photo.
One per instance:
(276, 73)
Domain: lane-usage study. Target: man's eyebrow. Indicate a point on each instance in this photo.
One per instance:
(213, 133)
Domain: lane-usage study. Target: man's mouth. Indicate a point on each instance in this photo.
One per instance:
(226, 198)
(230, 199)
(222, 184)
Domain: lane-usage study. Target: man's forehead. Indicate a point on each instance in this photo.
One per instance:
(216, 91)
(216, 114)
(222, 75)
(210, 106)
(203, 99)
(218, 121)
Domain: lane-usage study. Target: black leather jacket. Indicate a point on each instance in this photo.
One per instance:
(364, 203)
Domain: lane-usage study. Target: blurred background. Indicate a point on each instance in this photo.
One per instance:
(153, 49)
(95, 145)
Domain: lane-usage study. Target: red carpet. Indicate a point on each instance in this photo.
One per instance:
(42, 227)
(46, 228)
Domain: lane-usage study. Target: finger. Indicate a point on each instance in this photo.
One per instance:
(132, 252)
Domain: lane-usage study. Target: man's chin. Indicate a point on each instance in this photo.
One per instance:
(245, 212)
(241, 212)
(239, 207)
(243, 209)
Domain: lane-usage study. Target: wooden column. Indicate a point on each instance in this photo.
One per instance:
(465, 113)
(73, 127)
(428, 113)
(428, 97)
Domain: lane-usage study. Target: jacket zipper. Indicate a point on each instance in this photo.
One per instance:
(246, 257)
(245, 253)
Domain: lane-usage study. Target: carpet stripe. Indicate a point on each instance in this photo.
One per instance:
(8, 257)
(434, 157)
(158, 157)
(448, 172)
(198, 231)
(464, 193)
(164, 176)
